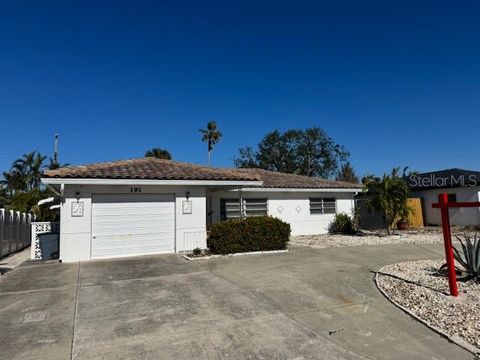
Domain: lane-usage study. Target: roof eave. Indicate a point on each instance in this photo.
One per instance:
(286, 189)
(94, 181)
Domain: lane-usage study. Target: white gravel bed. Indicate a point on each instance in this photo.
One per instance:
(339, 240)
(419, 289)
(219, 256)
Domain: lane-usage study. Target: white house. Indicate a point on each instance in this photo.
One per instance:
(460, 185)
(151, 206)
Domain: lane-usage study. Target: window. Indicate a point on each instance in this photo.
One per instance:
(229, 208)
(452, 197)
(323, 206)
(255, 207)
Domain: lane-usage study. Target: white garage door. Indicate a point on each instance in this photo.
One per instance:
(132, 224)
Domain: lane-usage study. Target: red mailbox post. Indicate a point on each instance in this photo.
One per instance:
(444, 205)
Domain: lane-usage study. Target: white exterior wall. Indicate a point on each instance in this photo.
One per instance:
(461, 216)
(76, 234)
(292, 207)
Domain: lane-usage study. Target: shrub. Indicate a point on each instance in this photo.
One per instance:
(342, 224)
(197, 251)
(259, 233)
(468, 256)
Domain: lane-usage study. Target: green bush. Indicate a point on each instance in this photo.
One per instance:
(342, 224)
(259, 233)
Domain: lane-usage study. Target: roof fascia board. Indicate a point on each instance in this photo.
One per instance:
(266, 189)
(77, 181)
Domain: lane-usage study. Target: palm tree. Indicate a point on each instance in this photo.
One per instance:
(388, 195)
(212, 136)
(54, 164)
(158, 153)
(21, 187)
(12, 182)
(27, 171)
(3, 196)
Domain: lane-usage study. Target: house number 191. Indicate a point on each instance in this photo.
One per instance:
(135, 190)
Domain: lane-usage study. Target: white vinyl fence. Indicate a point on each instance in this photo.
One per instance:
(14, 231)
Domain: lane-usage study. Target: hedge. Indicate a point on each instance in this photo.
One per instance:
(259, 233)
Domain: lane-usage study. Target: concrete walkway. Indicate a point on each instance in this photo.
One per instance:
(306, 304)
(12, 261)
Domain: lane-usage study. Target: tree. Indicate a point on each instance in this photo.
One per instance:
(3, 196)
(158, 153)
(12, 181)
(388, 195)
(21, 189)
(25, 173)
(247, 158)
(27, 202)
(347, 174)
(55, 164)
(309, 152)
(211, 135)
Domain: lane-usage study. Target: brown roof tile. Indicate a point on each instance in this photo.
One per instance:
(272, 179)
(149, 169)
(160, 169)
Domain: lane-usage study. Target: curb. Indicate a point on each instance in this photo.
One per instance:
(455, 339)
(200, 258)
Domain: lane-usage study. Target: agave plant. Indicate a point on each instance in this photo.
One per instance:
(469, 256)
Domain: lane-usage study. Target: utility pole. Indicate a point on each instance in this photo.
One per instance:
(55, 150)
(308, 163)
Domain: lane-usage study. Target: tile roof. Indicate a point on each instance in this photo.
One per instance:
(272, 179)
(159, 169)
(148, 168)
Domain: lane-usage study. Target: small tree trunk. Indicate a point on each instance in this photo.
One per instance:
(388, 222)
(208, 158)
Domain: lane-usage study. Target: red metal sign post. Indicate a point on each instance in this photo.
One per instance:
(447, 241)
(444, 205)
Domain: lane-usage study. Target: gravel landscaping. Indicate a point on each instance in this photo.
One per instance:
(419, 289)
(367, 238)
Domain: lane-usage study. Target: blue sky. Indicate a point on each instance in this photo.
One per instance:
(395, 82)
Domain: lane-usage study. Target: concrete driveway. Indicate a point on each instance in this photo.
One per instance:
(306, 304)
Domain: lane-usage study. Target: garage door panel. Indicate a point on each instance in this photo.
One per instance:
(158, 224)
(106, 199)
(134, 212)
(113, 242)
(117, 246)
(132, 224)
(132, 216)
(143, 208)
(130, 231)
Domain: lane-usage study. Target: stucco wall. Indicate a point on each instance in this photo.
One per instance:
(75, 232)
(462, 216)
(190, 229)
(292, 207)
